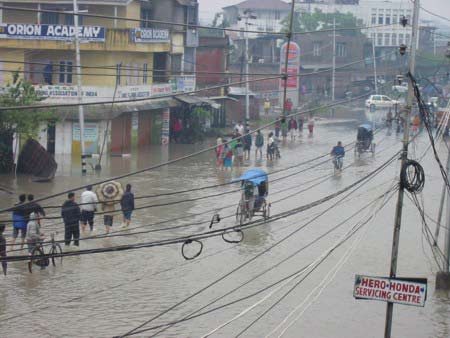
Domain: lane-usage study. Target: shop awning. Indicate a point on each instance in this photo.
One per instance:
(193, 100)
(105, 112)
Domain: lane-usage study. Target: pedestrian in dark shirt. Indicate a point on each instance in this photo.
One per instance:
(3, 248)
(71, 215)
(34, 207)
(127, 205)
(19, 216)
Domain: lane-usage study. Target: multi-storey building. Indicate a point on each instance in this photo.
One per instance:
(123, 56)
(269, 15)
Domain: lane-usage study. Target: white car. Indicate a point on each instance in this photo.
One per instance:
(380, 101)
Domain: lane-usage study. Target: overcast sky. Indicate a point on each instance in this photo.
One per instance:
(209, 7)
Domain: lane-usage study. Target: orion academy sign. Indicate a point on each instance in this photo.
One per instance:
(51, 32)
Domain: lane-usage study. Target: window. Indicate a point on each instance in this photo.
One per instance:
(145, 73)
(400, 38)
(176, 60)
(146, 14)
(341, 49)
(380, 16)
(65, 72)
(317, 48)
(407, 39)
(387, 18)
(394, 39)
(374, 16)
(277, 15)
(69, 20)
(386, 39)
(50, 18)
(119, 74)
(395, 16)
(379, 39)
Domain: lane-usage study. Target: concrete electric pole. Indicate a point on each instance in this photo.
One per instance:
(404, 157)
(79, 88)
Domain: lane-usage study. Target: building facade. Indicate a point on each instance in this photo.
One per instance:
(123, 58)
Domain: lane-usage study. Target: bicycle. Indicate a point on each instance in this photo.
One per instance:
(39, 258)
(338, 162)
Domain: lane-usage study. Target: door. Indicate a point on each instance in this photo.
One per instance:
(51, 135)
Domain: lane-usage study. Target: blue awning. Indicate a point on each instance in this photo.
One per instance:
(254, 175)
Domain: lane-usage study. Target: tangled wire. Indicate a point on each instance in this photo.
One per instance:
(412, 177)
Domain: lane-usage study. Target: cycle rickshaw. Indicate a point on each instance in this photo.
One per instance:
(255, 189)
(364, 140)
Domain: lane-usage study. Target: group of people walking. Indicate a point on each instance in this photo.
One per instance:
(27, 216)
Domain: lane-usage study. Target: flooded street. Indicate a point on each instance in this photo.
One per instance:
(108, 294)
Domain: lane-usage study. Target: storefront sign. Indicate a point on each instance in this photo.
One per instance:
(402, 291)
(185, 83)
(149, 35)
(165, 130)
(51, 32)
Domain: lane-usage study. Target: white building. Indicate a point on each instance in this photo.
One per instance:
(269, 15)
(372, 13)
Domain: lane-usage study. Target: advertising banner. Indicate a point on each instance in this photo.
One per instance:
(51, 32)
(90, 137)
(292, 70)
(402, 291)
(149, 35)
(165, 127)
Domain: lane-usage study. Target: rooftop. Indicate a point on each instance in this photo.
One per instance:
(262, 4)
(80, 2)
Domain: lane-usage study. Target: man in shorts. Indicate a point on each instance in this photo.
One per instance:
(88, 206)
(20, 216)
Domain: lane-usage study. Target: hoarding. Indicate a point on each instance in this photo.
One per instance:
(149, 35)
(51, 32)
(90, 138)
(165, 130)
(292, 70)
(394, 290)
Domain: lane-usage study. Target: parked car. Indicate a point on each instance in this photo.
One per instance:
(380, 101)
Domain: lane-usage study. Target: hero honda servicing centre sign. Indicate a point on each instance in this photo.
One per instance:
(402, 291)
(51, 32)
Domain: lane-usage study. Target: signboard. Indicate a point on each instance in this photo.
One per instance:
(292, 68)
(185, 83)
(51, 32)
(402, 291)
(149, 35)
(165, 130)
(90, 138)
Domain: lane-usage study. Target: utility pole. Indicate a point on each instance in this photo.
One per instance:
(374, 65)
(333, 76)
(286, 60)
(79, 88)
(404, 157)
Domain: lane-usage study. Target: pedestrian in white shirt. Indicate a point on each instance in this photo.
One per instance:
(88, 207)
(240, 128)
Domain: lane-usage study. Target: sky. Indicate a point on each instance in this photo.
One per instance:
(209, 7)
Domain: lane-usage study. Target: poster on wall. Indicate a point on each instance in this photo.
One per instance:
(165, 130)
(90, 138)
(293, 66)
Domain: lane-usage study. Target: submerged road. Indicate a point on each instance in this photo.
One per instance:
(108, 294)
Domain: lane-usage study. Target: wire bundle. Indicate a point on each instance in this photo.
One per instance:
(412, 176)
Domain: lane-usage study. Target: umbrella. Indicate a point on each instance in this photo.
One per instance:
(109, 192)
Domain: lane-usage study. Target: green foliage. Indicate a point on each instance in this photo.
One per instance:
(306, 22)
(196, 125)
(24, 122)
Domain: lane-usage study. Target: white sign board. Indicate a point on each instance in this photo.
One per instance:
(401, 291)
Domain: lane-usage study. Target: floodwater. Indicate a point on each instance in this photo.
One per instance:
(108, 294)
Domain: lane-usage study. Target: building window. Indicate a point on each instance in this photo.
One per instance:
(316, 48)
(380, 16)
(69, 20)
(277, 15)
(379, 39)
(118, 74)
(176, 60)
(407, 39)
(50, 18)
(395, 16)
(65, 72)
(146, 14)
(400, 38)
(145, 73)
(341, 49)
(386, 39)
(374, 18)
(387, 18)
(394, 39)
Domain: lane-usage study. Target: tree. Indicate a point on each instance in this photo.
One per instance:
(310, 22)
(24, 123)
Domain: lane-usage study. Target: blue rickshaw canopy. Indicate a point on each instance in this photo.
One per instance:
(256, 176)
(366, 126)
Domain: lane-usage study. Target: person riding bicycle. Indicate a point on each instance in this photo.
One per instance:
(338, 153)
(34, 234)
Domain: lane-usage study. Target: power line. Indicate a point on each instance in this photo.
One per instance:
(355, 184)
(435, 14)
